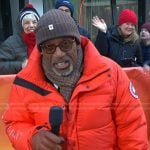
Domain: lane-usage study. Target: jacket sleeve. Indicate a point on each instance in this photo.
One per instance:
(9, 62)
(19, 124)
(101, 43)
(129, 116)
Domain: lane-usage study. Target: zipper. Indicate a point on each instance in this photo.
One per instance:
(67, 107)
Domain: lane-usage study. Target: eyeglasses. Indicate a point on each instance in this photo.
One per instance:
(65, 10)
(65, 46)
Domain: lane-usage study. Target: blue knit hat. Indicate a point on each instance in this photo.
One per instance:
(66, 3)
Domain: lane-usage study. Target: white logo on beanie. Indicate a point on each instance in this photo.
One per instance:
(51, 27)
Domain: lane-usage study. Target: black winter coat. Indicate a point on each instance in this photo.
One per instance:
(145, 52)
(84, 32)
(111, 44)
(13, 52)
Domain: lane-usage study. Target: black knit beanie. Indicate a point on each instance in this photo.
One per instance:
(56, 24)
(29, 9)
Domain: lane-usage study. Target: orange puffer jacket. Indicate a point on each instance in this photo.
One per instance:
(104, 112)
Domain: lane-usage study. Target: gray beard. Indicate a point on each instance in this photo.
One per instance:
(63, 74)
(66, 82)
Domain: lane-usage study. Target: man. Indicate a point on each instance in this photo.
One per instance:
(101, 109)
(67, 6)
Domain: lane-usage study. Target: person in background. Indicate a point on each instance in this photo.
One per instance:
(145, 43)
(119, 42)
(16, 49)
(100, 107)
(68, 7)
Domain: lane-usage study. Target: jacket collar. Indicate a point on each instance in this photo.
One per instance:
(93, 61)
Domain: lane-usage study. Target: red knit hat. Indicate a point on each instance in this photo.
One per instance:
(127, 15)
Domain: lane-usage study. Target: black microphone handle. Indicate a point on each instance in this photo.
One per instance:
(55, 130)
(55, 118)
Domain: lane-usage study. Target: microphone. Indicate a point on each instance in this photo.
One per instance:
(55, 119)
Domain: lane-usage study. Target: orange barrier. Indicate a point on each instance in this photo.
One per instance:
(141, 81)
(5, 85)
(139, 77)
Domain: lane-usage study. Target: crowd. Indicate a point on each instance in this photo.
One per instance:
(94, 104)
(119, 42)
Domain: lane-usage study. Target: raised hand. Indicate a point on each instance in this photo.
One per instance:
(99, 23)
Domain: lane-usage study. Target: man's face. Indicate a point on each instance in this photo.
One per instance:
(65, 9)
(127, 29)
(59, 55)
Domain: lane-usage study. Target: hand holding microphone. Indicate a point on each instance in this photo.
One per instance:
(49, 140)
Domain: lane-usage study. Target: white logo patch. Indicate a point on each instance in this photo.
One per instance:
(51, 27)
(133, 91)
